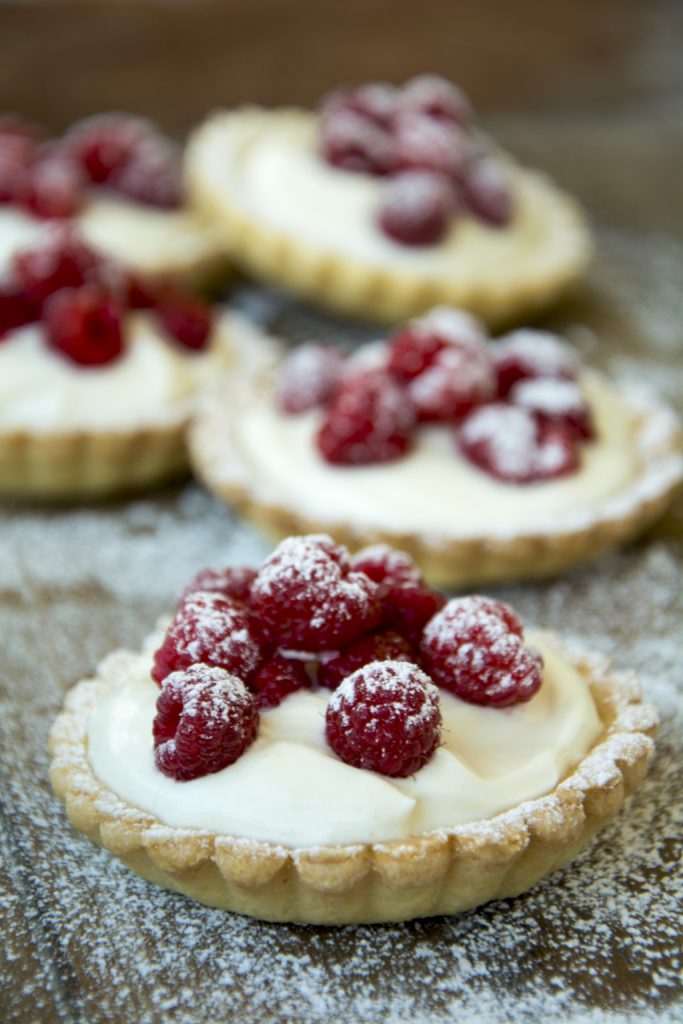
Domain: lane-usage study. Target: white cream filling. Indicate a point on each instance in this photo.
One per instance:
(147, 239)
(290, 788)
(275, 174)
(433, 488)
(154, 379)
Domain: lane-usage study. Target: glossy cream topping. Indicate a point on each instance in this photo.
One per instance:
(433, 488)
(268, 164)
(148, 239)
(155, 378)
(290, 788)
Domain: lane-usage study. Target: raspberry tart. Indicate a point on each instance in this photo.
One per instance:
(311, 742)
(116, 179)
(485, 460)
(98, 374)
(385, 202)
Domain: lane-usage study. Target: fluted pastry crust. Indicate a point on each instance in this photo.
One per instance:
(441, 872)
(447, 561)
(371, 288)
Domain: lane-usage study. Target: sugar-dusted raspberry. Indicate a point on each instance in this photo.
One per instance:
(386, 565)
(458, 379)
(308, 377)
(185, 318)
(427, 144)
(374, 100)
(53, 186)
(84, 324)
(209, 628)
(306, 597)
(487, 192)
(527, 353)
(62, 260)
(206, 719)
(352, 141)
(436, 97)
(416, 208)
(277, 678)
(15, 308)
(385, 718)
(105, 143)
(234, 582)
(415, 347)
(384, 646)
(556, 400)
(369, 420)
(151, 175)
(474, 648)
(509, 443)
(16, 154)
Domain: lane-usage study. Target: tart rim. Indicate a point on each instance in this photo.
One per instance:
(369, 289)
(444, 871)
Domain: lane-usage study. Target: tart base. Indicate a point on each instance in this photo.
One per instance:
(372, 289)
(442, 872)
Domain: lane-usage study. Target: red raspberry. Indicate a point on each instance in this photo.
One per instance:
(15, 308)
(151, 175)
(233, 582)
(530, 354)
(369, 420)
(277, 679)
(84, 324)
(16, 154)
(427, 144)
(385, 718)
(353, 142)
(205, 720)
(487, 192)
(557, 401)
(474, 649)
(386, 565)
(187, 319)
(61, 260)
(510, 444)
(458, 379)
(307, 599)
(308, 377)
(105, 143)
(375, 100)
(416, 346)
(417, 207)
(436, 97)
(384, 646)
(143, 293)
(211, 629)
(53, 186)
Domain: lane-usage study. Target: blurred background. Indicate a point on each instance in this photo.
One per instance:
(580, 87)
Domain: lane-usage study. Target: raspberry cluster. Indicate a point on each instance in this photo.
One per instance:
(52, 178)
(516, 408)
(420, 137)
(81, 298)
(366, 627)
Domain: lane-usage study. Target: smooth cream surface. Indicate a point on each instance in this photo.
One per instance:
(277, 176)
(433, 488)
(155, 377)
(148, 239)
(290, 788)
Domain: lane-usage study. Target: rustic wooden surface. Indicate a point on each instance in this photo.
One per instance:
(592, 92)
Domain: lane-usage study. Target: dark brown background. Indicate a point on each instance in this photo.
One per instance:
(591, 90)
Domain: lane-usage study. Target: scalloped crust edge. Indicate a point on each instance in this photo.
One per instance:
(441, 872)
(371, 291)
(448, 562)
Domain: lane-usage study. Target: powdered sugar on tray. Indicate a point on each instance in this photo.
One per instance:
(86, 940)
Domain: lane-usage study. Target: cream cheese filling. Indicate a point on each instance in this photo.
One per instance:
(290, 788)
(154, 379)
(271, 169)
(147, 239)
(433, 488)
